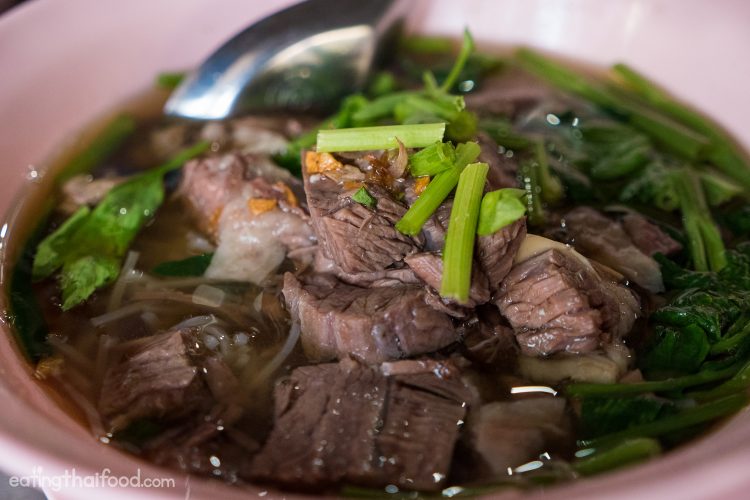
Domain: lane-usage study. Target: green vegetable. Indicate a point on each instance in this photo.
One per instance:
(458, 254)
(426, 44)
(25, 313)
(601, 416)
(666, 385)
(466, 49)
(363, 197)
(677, 350)
(502, 133)
(722, 151)
(677, 421)
(551, 188)
(654, 185)
(194, 265)
(89, 246)
(437, 190)
(670, 133)
(704, 238)
(499, 209)
(114, 134)
(382, 83)
(170, 80)
(432, 160)
(621, 163)
(719, 189)
(621, 454)
(368, 138)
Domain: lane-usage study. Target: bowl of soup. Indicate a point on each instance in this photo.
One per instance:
(515, 264)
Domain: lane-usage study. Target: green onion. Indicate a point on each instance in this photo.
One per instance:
(458, 254)
(467, 47)
(552, 189)
(437, 190)
(432, 160)
(499, 209)
(106, 143)
(621, 454)
(422, 44)
(368, 138)
(363, 197)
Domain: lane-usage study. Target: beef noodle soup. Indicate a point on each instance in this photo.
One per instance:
(500, 272)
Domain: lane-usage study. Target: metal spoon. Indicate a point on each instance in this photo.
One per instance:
(306, 57)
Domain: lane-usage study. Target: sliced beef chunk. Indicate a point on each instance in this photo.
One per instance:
(489, 340)
(557, 303)
(495, 252)
(155, 379)
(396, 275)
(371, 324)
(604, 240)
(648, 237)
(428, 267)
(436, 226)
(506, 434)
(349, 423)
(503, 170)
(356, 238)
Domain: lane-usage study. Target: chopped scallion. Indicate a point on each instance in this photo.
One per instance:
(437, 190)
(363, 197)
(368, 138)
(432, 160)
(458, 254)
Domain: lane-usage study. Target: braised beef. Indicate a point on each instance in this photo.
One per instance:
(371, 324)
(349, 423)
(506, 434)
(489, 340)
(428, 267)
(555, 302)
(648, 237)
(155, 379)
(495, 252)
(503, 170)
(357, 238)
(605, 240)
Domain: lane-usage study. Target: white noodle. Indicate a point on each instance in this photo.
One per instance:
(123, 312)
(195, 321)
(118, 290)
(284, 353)
(71, 354)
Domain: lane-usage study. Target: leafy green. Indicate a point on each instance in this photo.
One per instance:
(90, 245)
(676, 350)
(601, 416)
(618, 455)
(194, 265)
(170, 80)
(500, 208)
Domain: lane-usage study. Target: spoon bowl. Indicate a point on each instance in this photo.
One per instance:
(303, 58)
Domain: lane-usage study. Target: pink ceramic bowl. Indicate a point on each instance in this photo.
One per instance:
(62, 64)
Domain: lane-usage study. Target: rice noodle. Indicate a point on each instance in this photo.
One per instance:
(195, 321)
(118, 290)
(286, 350)
(71, 354)
(123, 312)
(102, 358)
(88, 408)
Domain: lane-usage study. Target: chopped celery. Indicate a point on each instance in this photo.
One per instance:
(437, 190)
(368, 138)
(467, 47)
(432, 160)
(458, 254)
